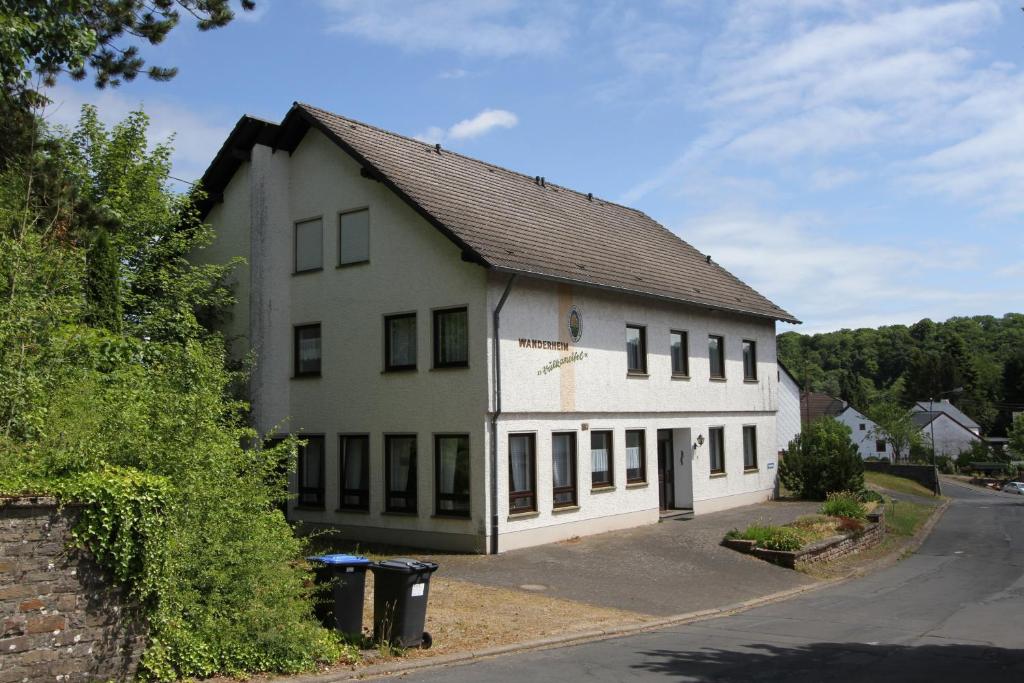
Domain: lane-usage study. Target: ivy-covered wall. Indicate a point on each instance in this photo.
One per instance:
(61, 617)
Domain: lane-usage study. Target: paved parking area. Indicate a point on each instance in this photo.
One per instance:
(673, 567)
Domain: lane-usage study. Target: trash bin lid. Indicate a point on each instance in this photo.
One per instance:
(340, 559)
(406, 565)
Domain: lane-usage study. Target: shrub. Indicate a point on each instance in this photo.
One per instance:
(773, 537)
(843, 504)
(821, 459)
(869, 496)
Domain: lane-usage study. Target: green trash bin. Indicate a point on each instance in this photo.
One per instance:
(400, 590)
(340, 586)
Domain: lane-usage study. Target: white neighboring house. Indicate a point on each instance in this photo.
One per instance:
(954, 431)
(478, 359)
(865, 434)
(787, 419)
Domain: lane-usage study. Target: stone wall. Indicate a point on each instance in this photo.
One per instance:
(925, 475)
(61, 619)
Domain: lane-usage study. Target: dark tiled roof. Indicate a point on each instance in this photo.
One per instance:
(923, 418)
(511, 222)
(944, 406)
(814, 405)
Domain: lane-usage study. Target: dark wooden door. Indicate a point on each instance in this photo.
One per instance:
(666, 481)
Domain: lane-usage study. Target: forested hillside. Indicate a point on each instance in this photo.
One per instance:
(982, 354)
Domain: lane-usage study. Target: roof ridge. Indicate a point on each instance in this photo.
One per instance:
(473, 159)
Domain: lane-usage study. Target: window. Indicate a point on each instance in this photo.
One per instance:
(354, 237)
(307, 350)
(563, 469)
(636, 458)
(716, 355)
(750, 447)
(311, 472)
(863, 426)
(749, 360)
(451, 338)
(354, 469)
(400, 473)
(636, 349)
(451, 467)
(716, 449)
(679, 347)
(309, 245)
(400, 342)
(879, 446)
(601, 459)
(522, 473)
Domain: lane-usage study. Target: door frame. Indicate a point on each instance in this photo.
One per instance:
(666, 471)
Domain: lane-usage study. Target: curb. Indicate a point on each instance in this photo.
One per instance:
(394, 668)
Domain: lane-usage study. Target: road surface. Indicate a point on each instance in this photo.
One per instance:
(954, 611)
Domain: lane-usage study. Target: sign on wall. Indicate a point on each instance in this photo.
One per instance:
(575, 325)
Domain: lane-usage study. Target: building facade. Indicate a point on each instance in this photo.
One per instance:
(787, 418)
(864, 433)
(471, 359)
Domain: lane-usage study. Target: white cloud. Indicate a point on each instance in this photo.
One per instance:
(453, 74)
(832, 178)
(482, 123)
(492, 28)
(196, 138)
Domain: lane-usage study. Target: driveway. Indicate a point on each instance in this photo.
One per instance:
(954, 611)
(673, 567)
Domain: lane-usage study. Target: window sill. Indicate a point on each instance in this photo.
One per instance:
(717, 379)
(636, 375)
(717, 475)
(751, 381)
(565, 508)
(751, 470)
(400, 513)
(308, 375)
(637, 484)
(451, 515)
(526, 514)
(681, 377)
(307, 271)
(352, 511)
(602, 489)
(398, 371)
(443, 368)
(354, 263)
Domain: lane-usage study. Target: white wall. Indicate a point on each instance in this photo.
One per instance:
(787, 419)
(950, 437)
(864, 438)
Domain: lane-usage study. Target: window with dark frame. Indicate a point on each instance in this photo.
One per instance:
(400, 472)
(522, 473)
(750, 447)
(400, 342)
(636, 457)
(354, 237)
(354, 472)
(679, 348)
(601, 460)
(309, 245)
(310, 472)
(307, 350)
(563, 469)
(863, 426)
(451, 338)
(716, 355)
(716, 449)
(749, 360)
(879, 446)
(451, 473)
(636, 349)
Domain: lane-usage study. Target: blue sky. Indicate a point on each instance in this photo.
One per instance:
(860, 162)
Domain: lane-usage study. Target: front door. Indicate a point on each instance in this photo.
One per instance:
(666, 481)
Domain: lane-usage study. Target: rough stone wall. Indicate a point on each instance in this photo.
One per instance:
(61, 619)
(872, 535)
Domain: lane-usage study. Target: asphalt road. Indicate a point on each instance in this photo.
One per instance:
(954, 611)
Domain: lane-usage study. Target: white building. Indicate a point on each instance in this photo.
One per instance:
(864, 432)
(954, 431)
(479, 359)
(787, 419)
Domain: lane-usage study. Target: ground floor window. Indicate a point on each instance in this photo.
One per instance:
(601, 459)
(716, 449)
(451, 466)
(879, 446)
(400, 472)
(636, 457)
(354, 469)
(522, 473)
(563, 469)
(750, 447)
(311, 472)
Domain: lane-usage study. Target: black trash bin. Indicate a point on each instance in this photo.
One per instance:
(340, 580)
(400, 590)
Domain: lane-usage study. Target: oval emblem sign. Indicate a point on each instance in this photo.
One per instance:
(575, 325)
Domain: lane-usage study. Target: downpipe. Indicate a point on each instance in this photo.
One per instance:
(496, 370)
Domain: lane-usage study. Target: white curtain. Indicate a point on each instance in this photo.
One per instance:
(454, 337)
(309, 348)
(447, 462)
(519, 459)
(599, 459)
(403, 341)
(355, 454)
(561, 452)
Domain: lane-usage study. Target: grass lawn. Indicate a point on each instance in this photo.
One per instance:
(904, 518)
(894, 483)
